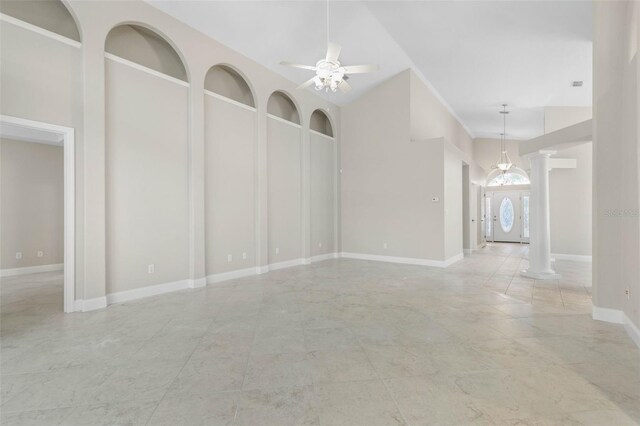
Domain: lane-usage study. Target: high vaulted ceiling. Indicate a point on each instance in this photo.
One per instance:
(476, 54)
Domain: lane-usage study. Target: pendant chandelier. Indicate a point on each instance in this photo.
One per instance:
(504, 163)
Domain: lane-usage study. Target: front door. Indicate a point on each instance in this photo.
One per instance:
(505, 211)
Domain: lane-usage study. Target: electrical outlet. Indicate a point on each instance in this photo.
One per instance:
(277, 250)
(229, 258)
(151, 269)
(319, 245)
(244, 255)
(19, 255)
(40, 253)
(384, 246)
(627, 292)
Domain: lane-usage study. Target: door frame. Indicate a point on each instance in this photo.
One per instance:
(68, 143)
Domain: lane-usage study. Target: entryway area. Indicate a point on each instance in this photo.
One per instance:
(507, 216)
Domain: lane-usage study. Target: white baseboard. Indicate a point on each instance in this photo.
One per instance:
(148, 291)
(86, 305)
(576, 257)
(198, 283)
(467, 251)
(31, 270)
(286, 264)
(404, 260)
(616, 316)
(232, 275)
(321, 257)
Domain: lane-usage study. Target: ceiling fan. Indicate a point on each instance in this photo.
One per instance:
(330, 73)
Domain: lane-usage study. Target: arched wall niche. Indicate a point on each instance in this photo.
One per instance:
(228, 82)
(146, 47)
(281, 105)
(52, 15)
(320, 123)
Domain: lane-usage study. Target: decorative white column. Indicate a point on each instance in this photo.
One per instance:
(539, 230)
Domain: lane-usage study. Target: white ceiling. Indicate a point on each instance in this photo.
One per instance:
(476, 54)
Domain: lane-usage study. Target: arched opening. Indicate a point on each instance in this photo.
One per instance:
(52, 15)
(320, 123)
(147, 48)
(230, 121)
(280, 105)
(225, 81)
(147, 160)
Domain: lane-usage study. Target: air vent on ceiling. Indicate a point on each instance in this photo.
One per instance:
(576, 84)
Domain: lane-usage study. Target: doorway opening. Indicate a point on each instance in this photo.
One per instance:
(29, 131)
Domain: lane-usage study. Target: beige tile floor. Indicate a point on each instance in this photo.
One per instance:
(340, 342)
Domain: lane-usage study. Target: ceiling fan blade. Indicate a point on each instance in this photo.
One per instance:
(360, 69)
(294, 65)
(344, 87)
(333, 51)
(306, 83)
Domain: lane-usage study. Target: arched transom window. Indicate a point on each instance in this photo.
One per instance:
(515, 177)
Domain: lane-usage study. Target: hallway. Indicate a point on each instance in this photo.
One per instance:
(336, 342)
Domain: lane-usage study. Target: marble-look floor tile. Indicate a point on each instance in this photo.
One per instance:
(338, 342)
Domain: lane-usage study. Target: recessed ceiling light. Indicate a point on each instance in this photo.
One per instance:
(576, 84)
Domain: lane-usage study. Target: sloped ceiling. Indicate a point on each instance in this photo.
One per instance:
(476, 54)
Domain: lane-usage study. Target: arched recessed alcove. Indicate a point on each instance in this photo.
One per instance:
(225, 81)
(52, 15)
(280, 105)
(320, 123)
(147, 48)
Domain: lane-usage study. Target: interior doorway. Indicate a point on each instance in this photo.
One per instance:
(507, 216)
(39, 132)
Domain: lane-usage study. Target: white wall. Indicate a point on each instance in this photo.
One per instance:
(616, 101)
(393, 167)
(570, 203)
(230, 137)
(453, 214)
(147, 179)
(46, 79)
(31, 204)
(285, 191)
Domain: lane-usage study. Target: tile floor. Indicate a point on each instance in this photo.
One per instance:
(341, 342)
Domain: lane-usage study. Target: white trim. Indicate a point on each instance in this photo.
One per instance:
(39, 30)
(31, 269)
(291, 123)
(404, 260)
(148, 291)
(90, 304)
(229, 100)
(322, 257)
(142, 68)
(315, 132)
(68, 134)
(576, 257)
(286, 264)
(616, 316)
(467, 251)
(197, 283)
(232, 275)
(608, 315)
(262, 269)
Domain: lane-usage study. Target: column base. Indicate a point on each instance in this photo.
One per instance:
(540, 275)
